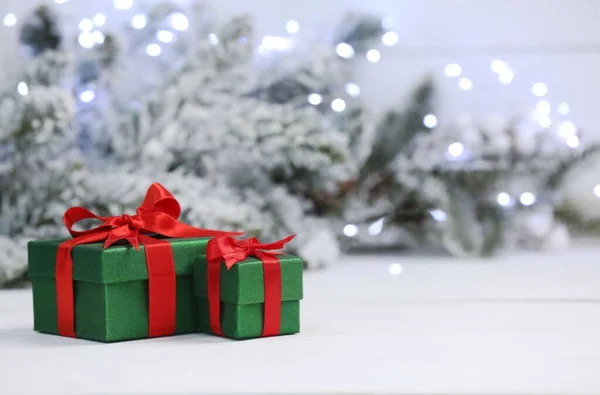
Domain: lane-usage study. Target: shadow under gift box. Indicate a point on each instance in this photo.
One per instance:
(110, 288)
(242, 296)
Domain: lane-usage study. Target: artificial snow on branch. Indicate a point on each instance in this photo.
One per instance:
(269, 139)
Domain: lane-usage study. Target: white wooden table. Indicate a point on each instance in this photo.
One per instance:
(528, 325)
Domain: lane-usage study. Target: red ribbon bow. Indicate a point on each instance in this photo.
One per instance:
(233, 251)
(158, 214)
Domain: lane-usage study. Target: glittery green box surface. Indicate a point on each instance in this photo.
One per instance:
(242, 297)
(111, 288)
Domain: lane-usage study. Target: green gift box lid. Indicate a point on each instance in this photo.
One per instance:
(244, 282)
(116, 264)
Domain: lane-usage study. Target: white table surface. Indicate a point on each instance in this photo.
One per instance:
(521, 325)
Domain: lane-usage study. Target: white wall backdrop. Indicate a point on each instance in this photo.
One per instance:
(552, 41)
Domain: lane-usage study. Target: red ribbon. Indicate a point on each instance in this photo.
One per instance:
(233, 251)
(158, 214)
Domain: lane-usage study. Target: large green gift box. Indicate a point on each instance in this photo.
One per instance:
(242, 296)
(110, 288)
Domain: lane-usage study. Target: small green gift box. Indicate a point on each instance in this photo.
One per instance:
(252, 296)
(110, 288)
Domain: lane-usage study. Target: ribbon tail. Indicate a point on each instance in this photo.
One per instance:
(163, 224)
(134, 240)
(123, 233)
(276, 245)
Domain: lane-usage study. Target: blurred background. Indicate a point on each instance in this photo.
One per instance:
(465, 128)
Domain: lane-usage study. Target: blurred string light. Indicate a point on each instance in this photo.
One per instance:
(338, 105)
(564, 109)
(539, 89)
(465, 84)
(22, 88)
(98, 36)
(456, 149)
(86, 25)
(179, 21)
(395, 269)
(572, 141)
(87, 96)
(99, 19)
(139, 21)
(390, 39)
(350, 230)
(86, 39)
(274, 43)
(213, 39)
(373, 56)
(315, 99)
(376, 227)
(452, 70)
(498, 66)
(566, 129)
(122, 4)
(153, 49)
(352, 89)
(438, 215)
(504, 199)
(505, 73)
(165, 36)
(597, 190)
(527, 199)
(544, 121)
(430, 121)
(292, 27)
(543, 107)
(10, 19)
(344, 50)
(60, 1)
(506, 77)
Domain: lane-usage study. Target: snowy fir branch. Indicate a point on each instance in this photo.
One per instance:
(272, 148)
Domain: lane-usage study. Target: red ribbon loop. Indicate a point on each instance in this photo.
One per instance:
(233, 251)
(158, 214)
